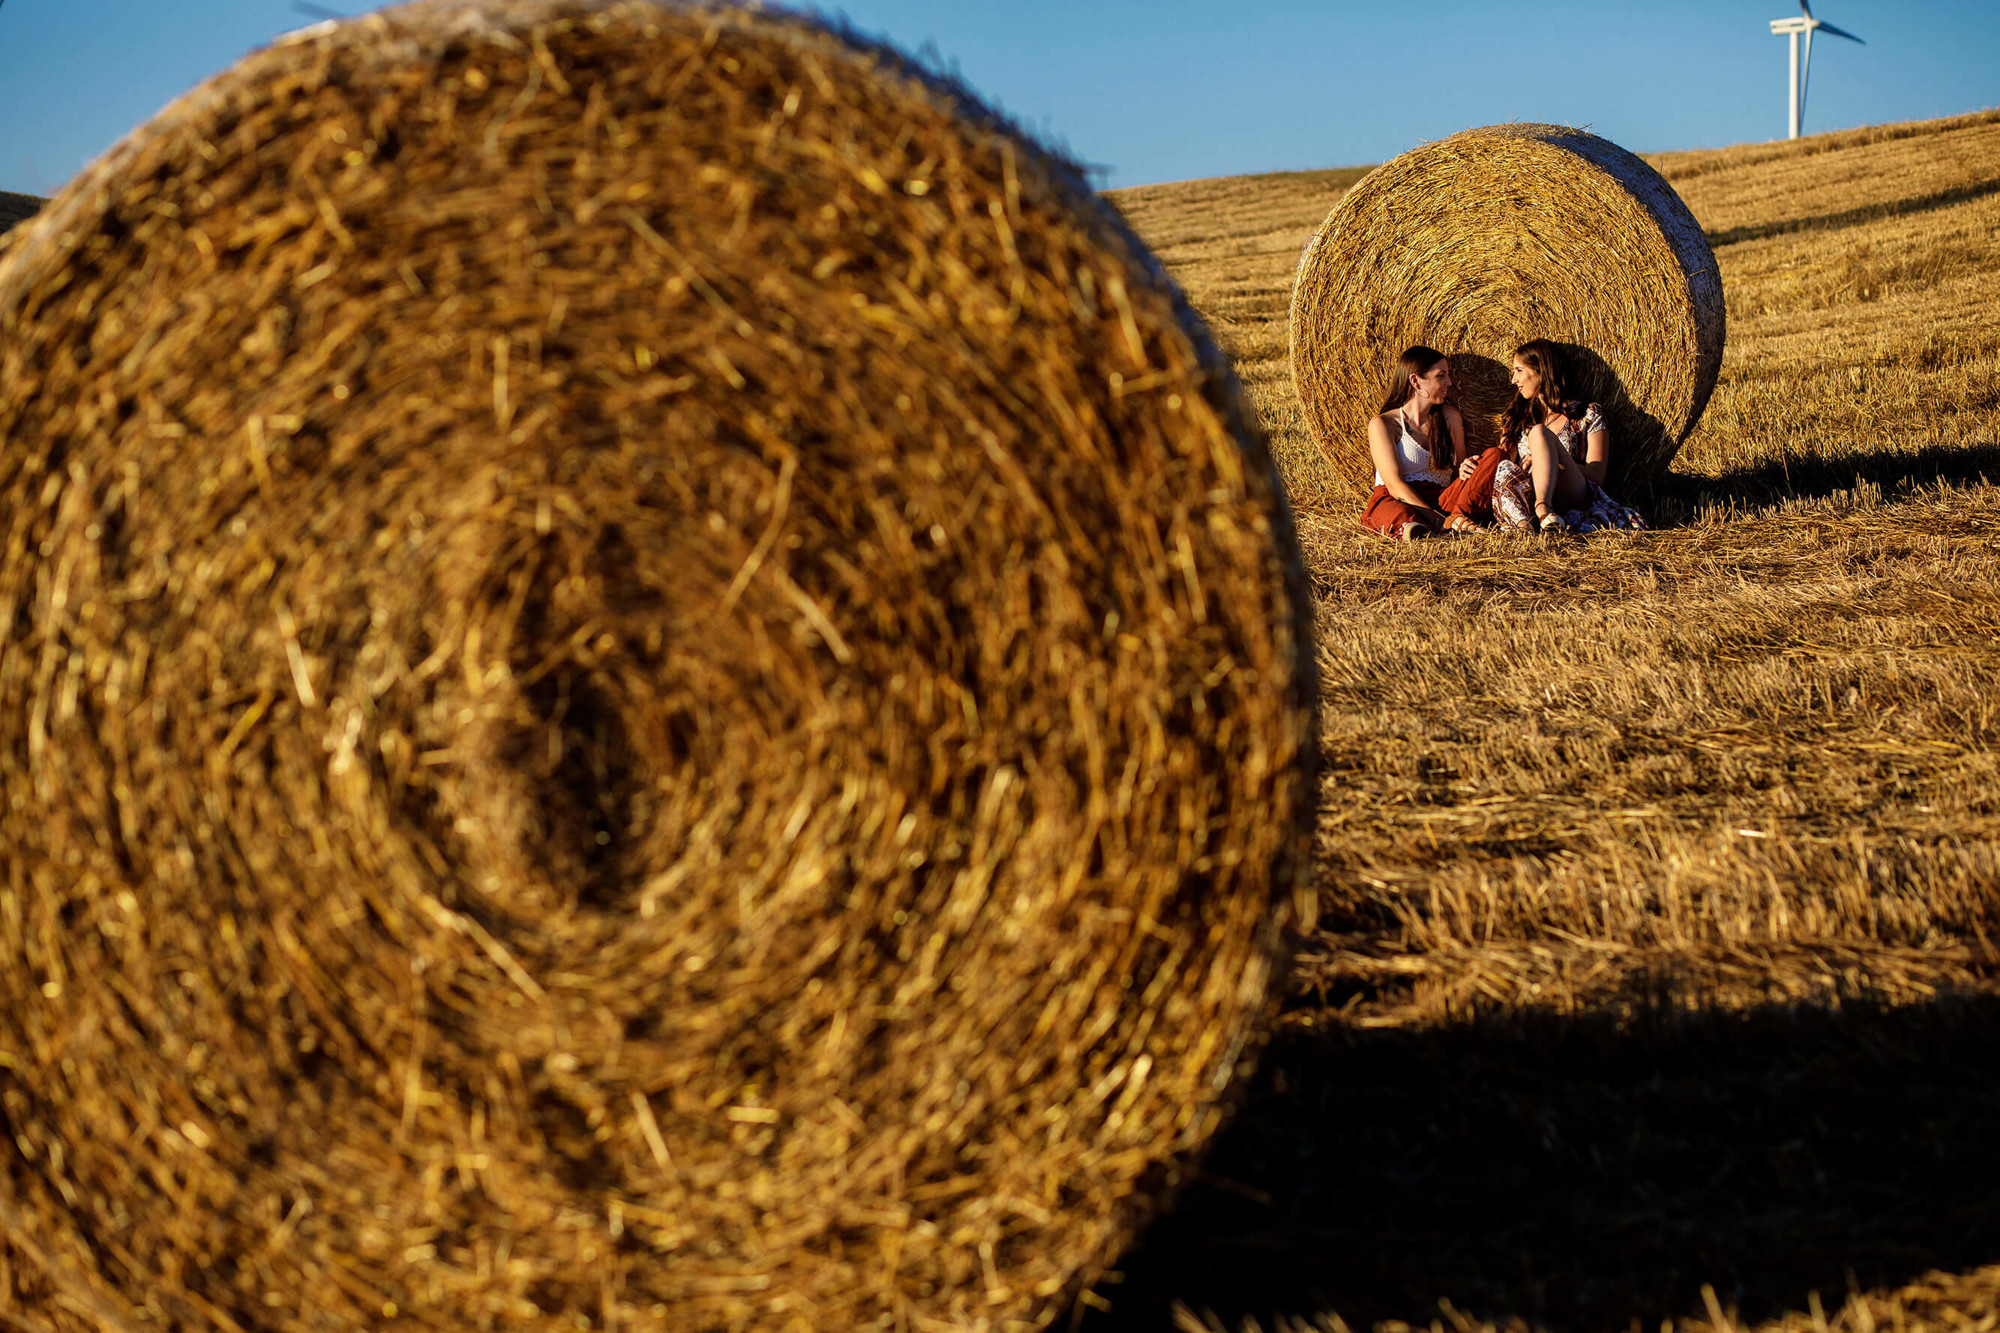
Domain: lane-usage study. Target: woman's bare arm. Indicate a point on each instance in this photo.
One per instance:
(1597, 456)
(1461, 457)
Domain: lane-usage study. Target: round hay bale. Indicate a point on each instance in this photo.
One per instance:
(1478, 242)
(650, 677)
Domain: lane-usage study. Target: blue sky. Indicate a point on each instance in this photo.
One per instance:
(1156, 90)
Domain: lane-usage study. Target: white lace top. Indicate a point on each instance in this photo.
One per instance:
(1414, 458)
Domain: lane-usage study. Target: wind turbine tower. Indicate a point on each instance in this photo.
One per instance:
(1802, 70)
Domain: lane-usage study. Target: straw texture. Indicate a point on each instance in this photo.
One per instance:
(650, 679)
(1478, 242)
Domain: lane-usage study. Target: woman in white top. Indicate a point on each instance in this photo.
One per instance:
(1417, 443)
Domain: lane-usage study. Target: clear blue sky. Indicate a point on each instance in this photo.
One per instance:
(1156, 90)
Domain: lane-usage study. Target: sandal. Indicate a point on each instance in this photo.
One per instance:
(1414, 530)
(1459, 524)
(1546, 521)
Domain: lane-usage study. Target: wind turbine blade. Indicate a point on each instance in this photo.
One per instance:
(309, 10)
(1805, 8)
(1805, 78)
(1840, 32)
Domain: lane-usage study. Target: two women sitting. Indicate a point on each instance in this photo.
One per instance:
(1546, 474)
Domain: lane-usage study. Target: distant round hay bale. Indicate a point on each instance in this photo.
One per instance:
(650, 677)
(1480, 241)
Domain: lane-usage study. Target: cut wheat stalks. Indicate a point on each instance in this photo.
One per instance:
(651, 676)
(1477, 243)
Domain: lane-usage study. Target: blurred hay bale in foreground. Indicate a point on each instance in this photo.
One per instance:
(1476, 243)
(651, 677)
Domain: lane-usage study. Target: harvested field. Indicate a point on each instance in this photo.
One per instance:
(17, 208)
(1655, 982)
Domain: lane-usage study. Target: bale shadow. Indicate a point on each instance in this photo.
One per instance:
(1480, 391)
(1587, 1173)
(1639, 440)
(1677, 499)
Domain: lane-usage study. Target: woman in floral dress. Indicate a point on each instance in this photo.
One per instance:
(1561, 450)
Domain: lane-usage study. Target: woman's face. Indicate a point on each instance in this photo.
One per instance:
(1527, 381)
(1433, 384)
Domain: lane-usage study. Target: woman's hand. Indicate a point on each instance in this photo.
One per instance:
(1467, 467)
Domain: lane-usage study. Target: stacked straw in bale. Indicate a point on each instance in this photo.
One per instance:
(1478, 242)
(650, 679)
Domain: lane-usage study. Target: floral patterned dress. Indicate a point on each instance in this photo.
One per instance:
(1514, 486)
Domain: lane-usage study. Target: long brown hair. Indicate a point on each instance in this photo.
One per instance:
(1418, 361)
(1545, 359)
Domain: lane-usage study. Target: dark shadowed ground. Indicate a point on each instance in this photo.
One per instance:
(1591, 1172)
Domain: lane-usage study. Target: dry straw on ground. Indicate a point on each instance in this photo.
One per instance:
(650, 677)
(1478, 242)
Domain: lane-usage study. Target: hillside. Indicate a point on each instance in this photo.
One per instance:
(17, 208)
(1654, 979)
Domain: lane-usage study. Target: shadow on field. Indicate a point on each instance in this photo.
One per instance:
(1923, 203)
(1678, 499)
(1584, 1173)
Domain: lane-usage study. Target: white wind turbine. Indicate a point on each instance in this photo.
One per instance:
(1802, 73)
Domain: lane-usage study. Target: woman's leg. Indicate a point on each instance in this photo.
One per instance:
(1560, 485)
(1513, 496)
(1572, 489)
(1392, 518)
(1546, 457)
(1472, 496)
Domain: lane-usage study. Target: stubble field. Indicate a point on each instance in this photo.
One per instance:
(1655, 978)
